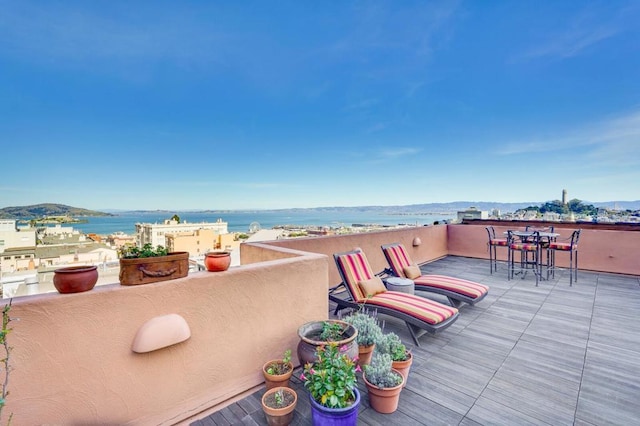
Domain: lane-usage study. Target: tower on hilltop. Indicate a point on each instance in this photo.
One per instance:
(564, 197)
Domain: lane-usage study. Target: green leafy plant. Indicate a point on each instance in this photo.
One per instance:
(6, 319)
(281, 366)
(391, 344)
(380, 373)
(331, 379)
(332, 331)
(134, 252)
(367, 324)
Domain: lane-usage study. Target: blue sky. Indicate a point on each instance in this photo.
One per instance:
(241, 105)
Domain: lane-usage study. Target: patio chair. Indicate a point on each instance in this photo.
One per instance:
(569, 245)
(364, 288)
(456, 290)
(493, 245)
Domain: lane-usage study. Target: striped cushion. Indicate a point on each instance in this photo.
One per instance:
(524, 246)
(563, 246)
(399, 259)
(355, 268)
(458, 285)
(498, 242)
(418, 307)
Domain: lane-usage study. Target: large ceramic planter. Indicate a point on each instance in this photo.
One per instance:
(309, 334)
(325, 416)
(145, 270)
(75, 279)
(217, 261)
(403, 368)
(276, 380)
(383, 400)
(278, 416)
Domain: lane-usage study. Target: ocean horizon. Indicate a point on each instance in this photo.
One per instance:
(242, 221)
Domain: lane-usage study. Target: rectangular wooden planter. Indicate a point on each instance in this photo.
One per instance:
(147, 270)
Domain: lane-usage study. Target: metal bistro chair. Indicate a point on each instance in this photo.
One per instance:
(530, 254)
(545, 241)
(566, 245)
(493, 245)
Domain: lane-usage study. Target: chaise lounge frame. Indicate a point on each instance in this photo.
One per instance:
(456, 290)
(417, 312)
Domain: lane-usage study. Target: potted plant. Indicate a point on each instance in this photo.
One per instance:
(369, 332)
(278, 405)
(383, 383)
(317, 333)
(331, 382)
(217, 261)
(402, 358)
(148, 264)
(277, 372)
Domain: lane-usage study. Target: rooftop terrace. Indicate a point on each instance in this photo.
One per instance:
(551, 354)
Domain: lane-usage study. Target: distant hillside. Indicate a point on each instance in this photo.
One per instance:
(48, 209)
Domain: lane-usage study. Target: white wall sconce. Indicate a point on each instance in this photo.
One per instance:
(417, 241)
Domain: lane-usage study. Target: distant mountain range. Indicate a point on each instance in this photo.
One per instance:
(51, 209)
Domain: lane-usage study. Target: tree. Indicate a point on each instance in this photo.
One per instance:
(176, 218)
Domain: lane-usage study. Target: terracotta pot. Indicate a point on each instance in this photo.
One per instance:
(383, 400)
(145, 270)
(217, 261)
(278, 416)
(309, 334)
(276, 380)
(403, 367)
(75, 279)
(365, 353)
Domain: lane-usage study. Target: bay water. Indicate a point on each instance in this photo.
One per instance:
(245, 221)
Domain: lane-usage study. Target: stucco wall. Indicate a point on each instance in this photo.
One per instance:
(72, 360)
(598, 250)
(434, 246)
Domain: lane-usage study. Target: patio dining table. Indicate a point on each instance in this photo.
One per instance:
(544, 237)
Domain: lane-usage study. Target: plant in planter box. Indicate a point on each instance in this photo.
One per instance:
(148, 264)
(383, 383)
(278, 405)
(401, 357)
(369, 332)
(277, 372)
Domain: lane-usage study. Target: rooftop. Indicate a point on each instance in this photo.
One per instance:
(551, 354)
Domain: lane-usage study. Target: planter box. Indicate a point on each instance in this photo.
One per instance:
(147, 270)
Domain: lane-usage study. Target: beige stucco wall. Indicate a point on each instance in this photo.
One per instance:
(598, 250)
(72, 360)
(433, 238)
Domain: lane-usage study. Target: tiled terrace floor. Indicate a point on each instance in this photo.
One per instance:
(552, 354)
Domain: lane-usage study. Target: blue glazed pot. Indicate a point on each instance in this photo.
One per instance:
(325, 416)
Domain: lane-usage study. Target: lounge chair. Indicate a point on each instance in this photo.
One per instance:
(456, 290)
(364, 288)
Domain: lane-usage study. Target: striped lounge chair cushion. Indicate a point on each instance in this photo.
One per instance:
(458, 285)
(355, 268)
(418, 307)
(399, 259)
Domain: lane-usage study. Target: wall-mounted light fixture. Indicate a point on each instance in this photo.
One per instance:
(417, 241)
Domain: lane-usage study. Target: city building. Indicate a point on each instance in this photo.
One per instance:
(472, 213)
(155, 233)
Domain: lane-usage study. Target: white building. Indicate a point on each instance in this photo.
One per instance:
(154, 233)
(472, 213)
(11, 237)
